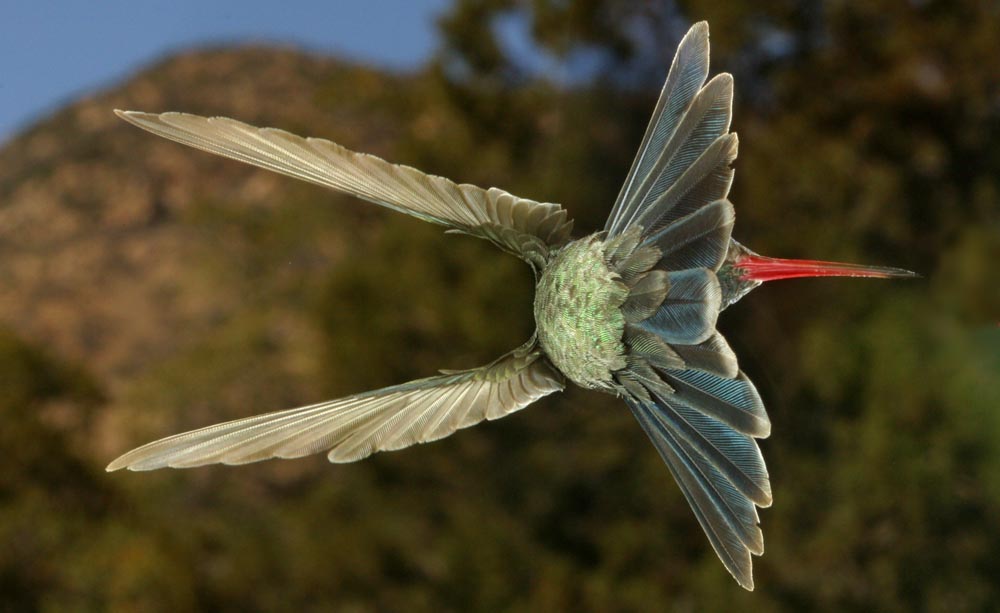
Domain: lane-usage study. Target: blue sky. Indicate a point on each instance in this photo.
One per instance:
(52, 52)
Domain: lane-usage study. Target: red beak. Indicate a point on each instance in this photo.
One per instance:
(761, 268)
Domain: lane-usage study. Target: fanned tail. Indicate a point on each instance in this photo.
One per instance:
(668, 235)
(718, 467)
(682, 381)
(702, 414)
(669, 238)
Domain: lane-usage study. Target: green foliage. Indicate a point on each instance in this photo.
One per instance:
(870, 136)
(50, 497)
(408, 288)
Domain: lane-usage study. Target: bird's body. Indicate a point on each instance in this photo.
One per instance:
(630, 310)
(578, 313)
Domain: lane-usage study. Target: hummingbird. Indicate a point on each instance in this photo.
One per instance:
(630, 310)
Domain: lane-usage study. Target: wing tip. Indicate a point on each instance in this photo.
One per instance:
(746, 581)
(765, 428)
(139, 118)
(733, 141)
(697, 37)
(699, 27)
(723, 81)
(768, 498)
(129, 115)
(132, 117)
(124, 462)
(119, 463)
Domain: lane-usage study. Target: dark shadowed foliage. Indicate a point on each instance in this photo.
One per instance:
(150, 288)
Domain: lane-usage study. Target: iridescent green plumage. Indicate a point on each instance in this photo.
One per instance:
(630, 311)
(578, 303)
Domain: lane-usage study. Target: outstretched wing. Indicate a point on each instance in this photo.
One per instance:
(357, 426)
(684, 160)
(683, 382)
(704, 427)
(518, 225)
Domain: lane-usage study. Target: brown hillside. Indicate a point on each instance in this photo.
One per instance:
(149, 288)
(106, 256)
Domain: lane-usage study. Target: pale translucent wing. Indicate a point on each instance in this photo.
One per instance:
(687, 74)
(357, 426)
(518, 225)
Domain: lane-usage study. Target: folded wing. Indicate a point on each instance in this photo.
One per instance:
(684, 159)
(683, 382)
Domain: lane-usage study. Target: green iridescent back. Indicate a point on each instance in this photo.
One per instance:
(578, 313)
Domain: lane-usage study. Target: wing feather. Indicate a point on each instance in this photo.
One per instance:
(354, 427)
(729, 519)
(519, 225)
(719, 470)
(688, 313)
(698, 240)
(687, 74)
(684, 161)
(707, 118)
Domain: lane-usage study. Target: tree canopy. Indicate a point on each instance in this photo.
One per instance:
(869, 132)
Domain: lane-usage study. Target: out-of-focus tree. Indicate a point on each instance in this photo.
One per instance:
(868, 133)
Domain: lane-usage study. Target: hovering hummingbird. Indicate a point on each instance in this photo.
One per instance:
(630, 311)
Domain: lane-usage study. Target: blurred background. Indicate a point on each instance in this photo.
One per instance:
(150, 288)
